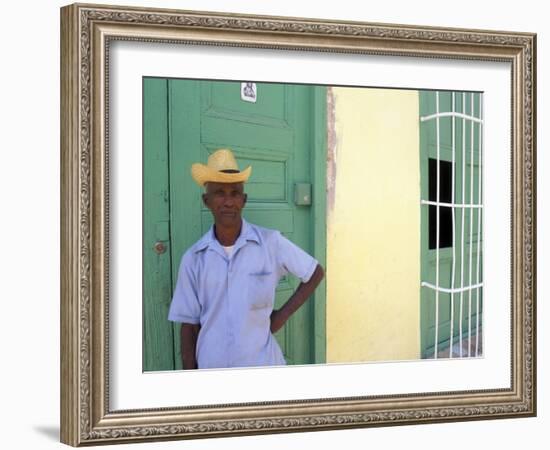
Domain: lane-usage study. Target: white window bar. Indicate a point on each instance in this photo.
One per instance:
(451, 331)
(479, 215)
(451, 290)
(462, 227)
(437, 229)
(471, 225)
(450, 114)
(450, 205)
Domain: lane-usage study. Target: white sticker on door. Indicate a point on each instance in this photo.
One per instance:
(248, 92)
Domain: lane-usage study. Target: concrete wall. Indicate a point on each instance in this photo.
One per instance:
(373, 248)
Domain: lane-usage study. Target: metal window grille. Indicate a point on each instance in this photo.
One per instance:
(466, 210)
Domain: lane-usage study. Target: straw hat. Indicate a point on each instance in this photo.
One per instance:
(221, 168)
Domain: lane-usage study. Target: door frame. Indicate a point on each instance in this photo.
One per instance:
(319, 217)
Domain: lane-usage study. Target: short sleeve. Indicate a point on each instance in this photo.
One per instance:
(185, 306)
(293, 259)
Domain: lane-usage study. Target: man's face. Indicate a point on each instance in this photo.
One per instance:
(225, 201)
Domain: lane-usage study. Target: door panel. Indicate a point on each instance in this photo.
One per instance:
(270, 108)
(263, 135)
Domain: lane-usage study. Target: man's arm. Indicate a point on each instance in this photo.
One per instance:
(280, 316)
(189, 335)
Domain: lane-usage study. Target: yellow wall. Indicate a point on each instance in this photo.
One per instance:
(373, 248)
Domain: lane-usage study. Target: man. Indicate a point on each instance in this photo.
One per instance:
(225, 292)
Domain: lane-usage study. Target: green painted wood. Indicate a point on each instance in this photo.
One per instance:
(428, 149)
(158, 351)
(185, 148)
(277, 136)
(299, 329)
(319, 236)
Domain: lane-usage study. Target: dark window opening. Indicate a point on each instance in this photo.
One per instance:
(445, 212)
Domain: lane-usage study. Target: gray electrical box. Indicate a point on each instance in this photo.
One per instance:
(302, 194)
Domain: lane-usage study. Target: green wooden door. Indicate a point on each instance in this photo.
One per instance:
(278, 135)
(459, 305)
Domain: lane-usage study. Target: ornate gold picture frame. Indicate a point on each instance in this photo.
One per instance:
(87, 34)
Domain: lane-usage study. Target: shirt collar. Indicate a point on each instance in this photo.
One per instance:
(248, 233)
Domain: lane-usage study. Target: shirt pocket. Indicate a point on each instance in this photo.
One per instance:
(261, 290)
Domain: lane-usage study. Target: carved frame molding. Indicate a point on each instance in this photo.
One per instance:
(86, 32)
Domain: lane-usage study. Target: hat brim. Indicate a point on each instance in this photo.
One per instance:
(203, 174)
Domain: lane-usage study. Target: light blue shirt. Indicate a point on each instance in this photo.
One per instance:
(232, 297)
